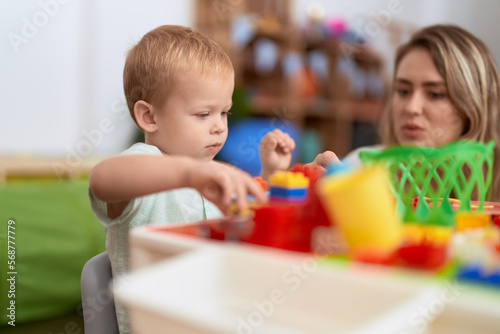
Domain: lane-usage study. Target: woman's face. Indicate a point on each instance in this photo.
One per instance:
(422, 112)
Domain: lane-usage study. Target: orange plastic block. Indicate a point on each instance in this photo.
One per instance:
(260, 181)
(466, 220)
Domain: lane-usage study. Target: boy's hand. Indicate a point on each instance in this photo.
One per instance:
(275, 151)
(324, 159)
(220, 183)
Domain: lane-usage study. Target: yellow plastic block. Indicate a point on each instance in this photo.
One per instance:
(249, 212)
(417, 234)
(466, 220)
(289, 180)
(362, 205)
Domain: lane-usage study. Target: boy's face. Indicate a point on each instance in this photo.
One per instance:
(193, 120)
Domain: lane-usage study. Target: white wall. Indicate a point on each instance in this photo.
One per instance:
(65, 78)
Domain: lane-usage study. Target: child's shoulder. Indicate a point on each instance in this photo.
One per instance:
(142, 148)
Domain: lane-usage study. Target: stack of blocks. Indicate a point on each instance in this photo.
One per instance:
(425, 245)
(476, 249)
(289, 186)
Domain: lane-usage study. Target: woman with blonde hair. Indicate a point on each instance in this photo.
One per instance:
(445, 88)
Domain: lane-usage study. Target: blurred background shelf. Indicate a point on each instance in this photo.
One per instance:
(21, 168)
(320, 76)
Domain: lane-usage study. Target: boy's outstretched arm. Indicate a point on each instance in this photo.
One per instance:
(119, 179)
(275, 152)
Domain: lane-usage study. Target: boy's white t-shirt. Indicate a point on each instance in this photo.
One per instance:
(179, 206)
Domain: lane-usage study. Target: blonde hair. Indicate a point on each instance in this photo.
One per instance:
(472, 81)
(164, 55)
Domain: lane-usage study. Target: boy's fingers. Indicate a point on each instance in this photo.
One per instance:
(222, 179)
(286, 142)
(257, 192)
(276, 132)
(216, 194)
(271, 143)
(248, 186)
(242, 198)
(291, 143)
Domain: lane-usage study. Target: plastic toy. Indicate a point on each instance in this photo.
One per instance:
(466, 220)
(287, 223)
(460, 169)
(477, 274)
(276, 226)
(289, 186)
(425, 246)
(312, 173)
(361, 204)
(262, 183)
(422, 180)
(289, 180)
(475, 249)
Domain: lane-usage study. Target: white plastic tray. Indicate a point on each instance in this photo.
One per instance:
(232, 289)
(182, 284)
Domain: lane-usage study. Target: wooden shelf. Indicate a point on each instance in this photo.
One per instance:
(322, 104)
(362, 110)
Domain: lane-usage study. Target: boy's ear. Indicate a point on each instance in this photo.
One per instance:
(144, 116)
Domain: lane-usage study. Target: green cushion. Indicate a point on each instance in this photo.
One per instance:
(55, 234)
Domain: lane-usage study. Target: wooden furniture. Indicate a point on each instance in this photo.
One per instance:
(325, 104)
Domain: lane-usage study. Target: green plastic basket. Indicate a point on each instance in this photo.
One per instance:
(461, 170)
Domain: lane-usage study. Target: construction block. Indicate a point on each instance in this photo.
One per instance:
(260, 181)
(428, 234)
(288, 180)
(475, 273)
(313, 173)
(424, 256)
(297, 194)
(466, 220)
(276, 225)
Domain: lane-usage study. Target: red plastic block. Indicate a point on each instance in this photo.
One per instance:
(496, 220)
(313, 173)
(425, 256)
(277, 225)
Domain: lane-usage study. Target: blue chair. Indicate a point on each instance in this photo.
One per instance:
(99, 315)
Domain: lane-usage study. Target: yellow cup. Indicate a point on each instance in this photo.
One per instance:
(362, 206)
